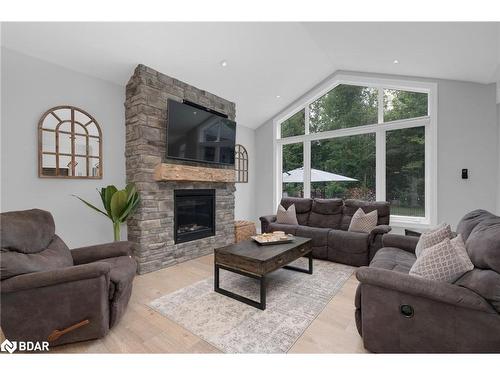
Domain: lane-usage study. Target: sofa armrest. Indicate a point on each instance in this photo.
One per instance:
(94, 253)
(381, 229)
(407, 243)
(437, 291)
(265, 221)
(54, 277)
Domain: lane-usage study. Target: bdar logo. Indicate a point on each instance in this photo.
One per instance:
(8, 346)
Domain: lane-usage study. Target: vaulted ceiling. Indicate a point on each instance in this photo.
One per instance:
(264, 60)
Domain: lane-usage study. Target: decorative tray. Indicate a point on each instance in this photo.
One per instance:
(272, 238)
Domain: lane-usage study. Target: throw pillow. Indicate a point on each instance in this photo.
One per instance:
(433, 237)
(362, 222)
(442, 262)
(288, 216)
(459, 246)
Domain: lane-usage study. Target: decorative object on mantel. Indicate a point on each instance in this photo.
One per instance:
(69, 144)
(241, 163)
(243, 230)
(180, 172)
(119, 205)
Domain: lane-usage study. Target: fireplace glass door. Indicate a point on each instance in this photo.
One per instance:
(194, 214)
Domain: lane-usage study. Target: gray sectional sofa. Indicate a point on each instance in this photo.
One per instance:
(396, 312)
(326, 221)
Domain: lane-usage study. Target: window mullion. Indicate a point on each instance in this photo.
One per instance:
(306, 119)
(380, 105)
(307, 169)
(380, 182)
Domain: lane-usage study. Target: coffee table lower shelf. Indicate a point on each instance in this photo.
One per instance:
(262, 282)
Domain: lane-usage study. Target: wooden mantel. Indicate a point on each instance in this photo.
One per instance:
(179, 172)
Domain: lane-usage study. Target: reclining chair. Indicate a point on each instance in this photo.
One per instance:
(51, 293)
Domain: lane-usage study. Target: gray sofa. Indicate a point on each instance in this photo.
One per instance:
(326, 221)
(396, 312)
(47, 289)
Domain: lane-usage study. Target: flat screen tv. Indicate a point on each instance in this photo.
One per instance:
(200, 135)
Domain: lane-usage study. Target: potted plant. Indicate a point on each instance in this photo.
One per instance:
(118, 205)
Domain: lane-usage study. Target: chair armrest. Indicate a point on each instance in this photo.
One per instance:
(437, 291)
(265, 221)
(407, 243)
(94, 253)
(54, 277)
(381, 229)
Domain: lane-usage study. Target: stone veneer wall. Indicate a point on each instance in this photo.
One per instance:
(151, 227)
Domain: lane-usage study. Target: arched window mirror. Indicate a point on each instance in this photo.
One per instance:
(69, 144)
(241, 163)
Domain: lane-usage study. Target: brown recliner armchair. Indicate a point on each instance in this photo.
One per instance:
(51, 293)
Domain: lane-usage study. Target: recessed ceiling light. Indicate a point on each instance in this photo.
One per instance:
(396, 61)
(278, 96)
(223, 63)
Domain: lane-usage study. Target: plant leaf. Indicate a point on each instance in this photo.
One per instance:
(131, 206)
(118, 204)
(108, 192)
(92, 206)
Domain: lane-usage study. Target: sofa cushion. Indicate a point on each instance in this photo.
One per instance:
(28, 231)
(362, 222)
(352, 205)
(486, 283)
(445, 261)
(302, 207)
(470, 220)
(56, 255)
(394, 259)
(326, 213)
(348, 247)
(286, 216)
(433, 237)
(319, 239)
(287, 228)
(483, 244)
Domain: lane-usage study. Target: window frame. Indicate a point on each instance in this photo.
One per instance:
(380, 128)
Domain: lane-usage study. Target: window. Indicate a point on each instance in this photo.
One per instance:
(344, 167)
(293, 171)
(405, 171)
(293, 126)
(363, 138)
(400, 105)
(343, 107)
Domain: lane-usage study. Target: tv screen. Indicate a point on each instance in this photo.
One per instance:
(199, 135)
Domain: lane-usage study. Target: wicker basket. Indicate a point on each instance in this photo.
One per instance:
(243, 230)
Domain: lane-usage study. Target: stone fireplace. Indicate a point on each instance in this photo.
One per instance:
(178, 218)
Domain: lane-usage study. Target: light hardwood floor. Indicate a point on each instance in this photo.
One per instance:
(142, 330)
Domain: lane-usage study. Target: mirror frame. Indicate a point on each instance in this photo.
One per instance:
(72, 133)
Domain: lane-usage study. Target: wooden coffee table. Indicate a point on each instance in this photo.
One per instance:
(250, 259)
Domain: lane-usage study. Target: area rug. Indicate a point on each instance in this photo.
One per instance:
(294, 300)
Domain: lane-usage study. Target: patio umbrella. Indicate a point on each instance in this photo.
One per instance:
(297, 175)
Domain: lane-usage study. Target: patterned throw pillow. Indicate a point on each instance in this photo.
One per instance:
(445, 261)
(459, 245)
(362, 222)
(433, 237)
(286, 216)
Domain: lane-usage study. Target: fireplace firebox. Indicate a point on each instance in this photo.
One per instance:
(194, 214)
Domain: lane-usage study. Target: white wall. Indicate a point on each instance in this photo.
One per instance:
(245, 192)
(29, 87)
(467, 138)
